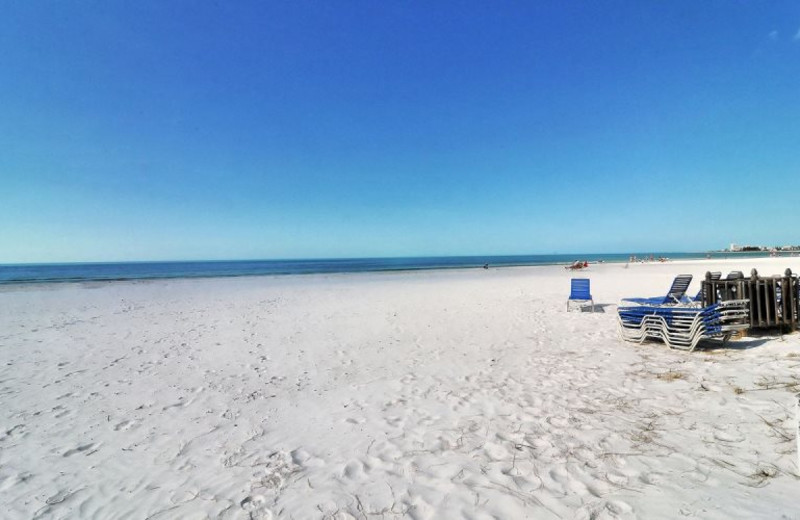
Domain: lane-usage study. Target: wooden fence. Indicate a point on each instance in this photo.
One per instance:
(774, 300)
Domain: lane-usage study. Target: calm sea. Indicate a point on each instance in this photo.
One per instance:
(81, 272)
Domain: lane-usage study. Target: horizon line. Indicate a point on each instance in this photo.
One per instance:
(352, 258)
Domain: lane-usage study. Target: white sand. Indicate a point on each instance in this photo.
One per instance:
(454, 394)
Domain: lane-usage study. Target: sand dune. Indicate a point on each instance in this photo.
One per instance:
(452, 394)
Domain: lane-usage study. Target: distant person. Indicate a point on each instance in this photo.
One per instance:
(577, 264)
(486, 266)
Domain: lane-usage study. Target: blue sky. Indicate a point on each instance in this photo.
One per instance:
(220, 130)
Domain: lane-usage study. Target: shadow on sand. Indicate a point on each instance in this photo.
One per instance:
(739, 344)
(598, 307)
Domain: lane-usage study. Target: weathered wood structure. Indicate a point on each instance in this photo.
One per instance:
(774, 300)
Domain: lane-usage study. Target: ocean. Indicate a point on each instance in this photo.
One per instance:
(84, 272)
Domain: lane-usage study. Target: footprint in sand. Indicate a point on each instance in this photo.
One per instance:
(495, 452)
(14, 431)
(61, 496)
(300, 456)
(400, 402)
(409, 379)
(255, 506)
(620, 479)
(124, 425)
(356, 470)
(558, 422)
(86, 449)
(605, 509)
(9, 481)
(653, 479)
(728, 436)
(618, 507)
(394, 421)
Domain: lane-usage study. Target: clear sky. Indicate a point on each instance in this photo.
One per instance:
(290, 129)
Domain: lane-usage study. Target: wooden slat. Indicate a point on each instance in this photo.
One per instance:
(766, 308)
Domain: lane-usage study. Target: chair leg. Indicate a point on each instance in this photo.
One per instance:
(592, 306)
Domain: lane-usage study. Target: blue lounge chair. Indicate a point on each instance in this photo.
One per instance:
(579, 292)
(675, 295)
(683, 327)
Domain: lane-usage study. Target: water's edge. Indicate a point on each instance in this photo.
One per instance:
(126, 271)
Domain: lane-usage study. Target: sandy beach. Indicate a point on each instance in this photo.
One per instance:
(440, 394)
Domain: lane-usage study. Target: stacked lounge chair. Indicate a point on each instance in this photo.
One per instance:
(675, 295)
(683, 327)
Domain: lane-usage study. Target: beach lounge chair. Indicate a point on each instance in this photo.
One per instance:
(683, 327)
(675, 295)
(579, 292)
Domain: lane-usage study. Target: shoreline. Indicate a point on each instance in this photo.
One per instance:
(133, 279)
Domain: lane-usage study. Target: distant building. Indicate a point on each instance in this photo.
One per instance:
(748, 248)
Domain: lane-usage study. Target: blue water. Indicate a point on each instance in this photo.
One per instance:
(82, 272)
